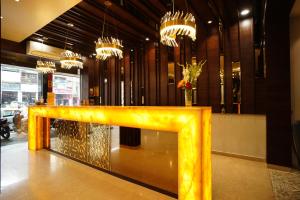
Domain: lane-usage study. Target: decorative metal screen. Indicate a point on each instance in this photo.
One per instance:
(86, 142)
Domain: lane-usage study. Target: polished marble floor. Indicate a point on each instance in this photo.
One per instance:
(46, 175)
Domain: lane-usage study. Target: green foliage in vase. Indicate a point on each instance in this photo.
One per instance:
(190, 73)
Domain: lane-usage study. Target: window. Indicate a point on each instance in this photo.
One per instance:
(20, 87)
(67, 89)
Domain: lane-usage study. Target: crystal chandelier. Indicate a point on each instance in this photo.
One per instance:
(176, 23)
(45, 66)
(108, 46)
(70, 59)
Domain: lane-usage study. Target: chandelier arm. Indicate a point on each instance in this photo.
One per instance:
(66, 38)
(187, 7)
(103, 26)
(173, 5)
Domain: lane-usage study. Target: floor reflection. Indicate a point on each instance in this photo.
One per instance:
(154, 162)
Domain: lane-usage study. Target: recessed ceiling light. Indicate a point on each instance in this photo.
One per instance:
(17, 0)
(94, 54)
(245, 12)
(70, 24)
(131, 49)
(209, 21)
(147, 39)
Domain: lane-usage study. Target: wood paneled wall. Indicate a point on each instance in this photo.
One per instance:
(213, 62)
(146, 70)
(201, 54)
(247, 66)
(279, 131)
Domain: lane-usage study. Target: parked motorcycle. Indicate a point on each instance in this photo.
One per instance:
(5, 130)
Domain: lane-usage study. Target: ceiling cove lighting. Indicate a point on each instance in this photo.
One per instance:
(245, 12)
(69, 59)
(176, 23)
(108, 46)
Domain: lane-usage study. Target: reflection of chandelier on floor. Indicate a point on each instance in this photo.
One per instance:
(108, 46)
(176, 23)
(45, 66)
(68, 58)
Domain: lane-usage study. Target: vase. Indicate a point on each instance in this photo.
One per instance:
(188, 97)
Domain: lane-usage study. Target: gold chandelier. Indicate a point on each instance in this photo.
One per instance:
(70, 59)
(108, 46)
(45, 66)
(176, 23)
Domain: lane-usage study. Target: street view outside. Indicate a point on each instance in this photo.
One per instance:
(21, 87)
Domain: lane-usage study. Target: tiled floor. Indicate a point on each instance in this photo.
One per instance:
(45, 175)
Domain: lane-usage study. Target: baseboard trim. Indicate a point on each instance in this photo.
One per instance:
(239, 156)
(278, 167)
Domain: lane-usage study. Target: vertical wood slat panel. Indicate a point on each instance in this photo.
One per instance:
(182, 61)
(84, 80)
(96, 78)
(163, 75)
(202, 84)
(112, 80)
(234, 42)
(146, 74)
(127, 77)
(213, 62)
(278, 96)
(101, 82)
(142, 76)
(118, 81)
(227, 72)
(187, 50)
(91, 70)
(136, 79)
(171, 87)
(247, 66)
(178, 73)
(152, 74)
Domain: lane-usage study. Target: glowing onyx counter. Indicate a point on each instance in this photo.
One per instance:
(193, 125)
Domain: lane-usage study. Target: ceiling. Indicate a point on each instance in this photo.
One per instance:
(130, 20)
(296, 9)
(22, 18)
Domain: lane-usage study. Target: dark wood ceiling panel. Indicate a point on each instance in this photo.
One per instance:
(130, 20)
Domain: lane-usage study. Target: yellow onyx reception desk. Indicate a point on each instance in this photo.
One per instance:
(193, 125)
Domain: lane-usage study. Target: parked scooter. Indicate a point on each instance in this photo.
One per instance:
(5, 130)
